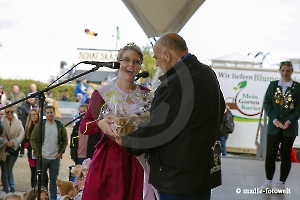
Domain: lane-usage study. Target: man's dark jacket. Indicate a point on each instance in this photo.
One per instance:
(24, 111)
(186, 111)
(92, 141)
(62, 137)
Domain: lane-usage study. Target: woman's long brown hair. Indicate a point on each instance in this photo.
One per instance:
(29, 122)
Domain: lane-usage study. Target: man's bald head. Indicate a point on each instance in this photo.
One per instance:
(168, 50)
(174, 42)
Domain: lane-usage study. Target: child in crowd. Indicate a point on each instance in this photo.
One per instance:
(32, 194)
(13, 196)
(76, 170)
(67, 191)
(79, 183)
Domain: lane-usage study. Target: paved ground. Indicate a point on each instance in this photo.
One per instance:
(237, 173)
(242, 175)
(22, 171)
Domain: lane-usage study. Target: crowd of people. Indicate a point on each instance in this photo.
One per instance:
(19, 131)
(175, 154)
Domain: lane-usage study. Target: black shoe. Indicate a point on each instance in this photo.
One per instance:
(21, 155)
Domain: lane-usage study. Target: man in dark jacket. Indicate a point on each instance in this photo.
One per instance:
(183, 135)
(82, 146)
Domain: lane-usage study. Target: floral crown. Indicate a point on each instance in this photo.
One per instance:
(131, 44)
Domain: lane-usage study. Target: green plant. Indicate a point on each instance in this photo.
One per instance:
(25, 87)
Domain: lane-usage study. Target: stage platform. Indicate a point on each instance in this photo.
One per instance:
(241, 175)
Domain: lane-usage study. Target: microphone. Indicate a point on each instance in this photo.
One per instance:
(143, 74)
(112, 65)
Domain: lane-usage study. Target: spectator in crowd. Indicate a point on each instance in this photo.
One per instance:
(12, 181)
(32, 194)
(13, 196)
(32, 120)
(12, 136)
(82, 87)
(76, 171)
(89, 95)
(227, 127)
(82, 146)
(65, 96)
(50, 101)
(1, 115)
(3, 95)
(34, 89)
(24, 111)
(14, 96)
(2, 112)
(67, 190)
(80, 98)
(54, 143)
(79, 183)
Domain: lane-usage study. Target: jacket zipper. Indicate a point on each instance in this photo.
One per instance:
(160, 169)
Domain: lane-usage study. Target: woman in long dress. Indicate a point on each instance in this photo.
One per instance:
(114, 173)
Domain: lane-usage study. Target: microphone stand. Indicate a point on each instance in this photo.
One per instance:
(41, 97)
(74, 119)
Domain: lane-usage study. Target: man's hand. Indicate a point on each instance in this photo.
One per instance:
(104, 125)
(286, 125)
(119, 141)
(58, 156)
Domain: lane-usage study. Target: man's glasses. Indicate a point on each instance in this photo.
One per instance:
(7, 112)
(128, 60)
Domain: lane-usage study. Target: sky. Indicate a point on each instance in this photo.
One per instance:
(36, 35)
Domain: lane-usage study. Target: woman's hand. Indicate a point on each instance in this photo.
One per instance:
(104, 125)
(10, 143)
(278, 124)
(119, 141)
(286, 125)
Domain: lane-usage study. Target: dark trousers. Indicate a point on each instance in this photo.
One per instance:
(6, 170)
(169, 196)
(80, 161)
(273, 142)
(33, 176)
(53, 166)
(22, 148)
(223, 145)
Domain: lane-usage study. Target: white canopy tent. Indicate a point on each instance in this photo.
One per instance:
(236, 60)
(157, 17)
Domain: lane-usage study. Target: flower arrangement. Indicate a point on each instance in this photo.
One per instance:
(127, 109)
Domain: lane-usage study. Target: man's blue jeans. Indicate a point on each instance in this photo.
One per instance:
(6, 169)
(170, 196)
(53, 166)
(12, 183)
(223, 145)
